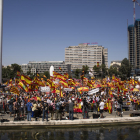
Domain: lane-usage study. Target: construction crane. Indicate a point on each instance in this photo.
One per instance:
(134, 8)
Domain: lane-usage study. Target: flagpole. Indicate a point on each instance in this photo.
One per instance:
(1, 33)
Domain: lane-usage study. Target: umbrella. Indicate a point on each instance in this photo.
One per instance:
(135, 89)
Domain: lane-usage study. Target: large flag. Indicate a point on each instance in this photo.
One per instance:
(59, 76)
(66, 75)
(26, 79)
(71, 82)
(14, 90)
(89, 84)
(23, 86)
(37, 75)
(64, 83)
(40, 83)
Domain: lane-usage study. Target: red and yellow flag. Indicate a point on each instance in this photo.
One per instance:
(18, 73)
(66, 75)
(60, 68)
(37, 75)
(44, 76)
(23, 86)
(26, 79)
(14, 90)
(97, 64)
(89, 84)
(64, 83)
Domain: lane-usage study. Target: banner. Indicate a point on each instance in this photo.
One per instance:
(67, 89)
(93, 91)
(45, 89)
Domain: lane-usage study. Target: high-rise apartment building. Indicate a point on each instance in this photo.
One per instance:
(134, 45)
(85, 54)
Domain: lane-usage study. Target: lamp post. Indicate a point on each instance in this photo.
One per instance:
(1, 32)
(134, 80)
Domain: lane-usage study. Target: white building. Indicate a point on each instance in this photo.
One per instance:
(85, 54)
(42, 66)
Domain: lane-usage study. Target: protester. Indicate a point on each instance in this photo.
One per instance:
(45, 110)
(71, 105)
(101, 105)
(51, 109)
(29, 110)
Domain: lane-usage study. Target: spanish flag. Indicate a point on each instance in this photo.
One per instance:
(10, 81)
(22, 86)
(6, 83)
(18, 73)
(26, 79)
(44, 76)
(97, 64)
(14, 90)
(66, 75)
(71, 82)
(60, 68)
(64, 83)
(89, 84)
(37, 75)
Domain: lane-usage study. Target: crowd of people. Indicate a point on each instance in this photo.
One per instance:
(39, 104)
(24, 98)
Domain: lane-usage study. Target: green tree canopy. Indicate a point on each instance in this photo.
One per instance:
(85, 68)
(125, 69)
(11, 71)
(77, 73)
(47, 74)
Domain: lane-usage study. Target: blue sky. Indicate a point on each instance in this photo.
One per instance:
(40, 30)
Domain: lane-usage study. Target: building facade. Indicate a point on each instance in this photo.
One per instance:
(134, 45)
(42, 66)
(85, 54)
(116, 62)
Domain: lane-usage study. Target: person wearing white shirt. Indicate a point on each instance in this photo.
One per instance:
(101, 105)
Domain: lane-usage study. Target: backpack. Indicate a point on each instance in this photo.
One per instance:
(50, 107)
(45, 106)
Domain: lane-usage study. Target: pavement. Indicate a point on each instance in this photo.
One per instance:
(109, 119)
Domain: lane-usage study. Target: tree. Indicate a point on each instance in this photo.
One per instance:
(47, 74)
(85, 68)
(15, 67)
(97, 69)
(104, 70)
(125, 69)
(77, 72)
(11, 71)
(113, 71)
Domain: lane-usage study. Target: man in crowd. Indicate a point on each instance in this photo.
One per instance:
(71, 105)
(45, 110)
(29, 110)
(101, 105)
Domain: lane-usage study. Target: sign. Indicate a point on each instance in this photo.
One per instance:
(45, 89)
(67, 89)
(93, 91)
